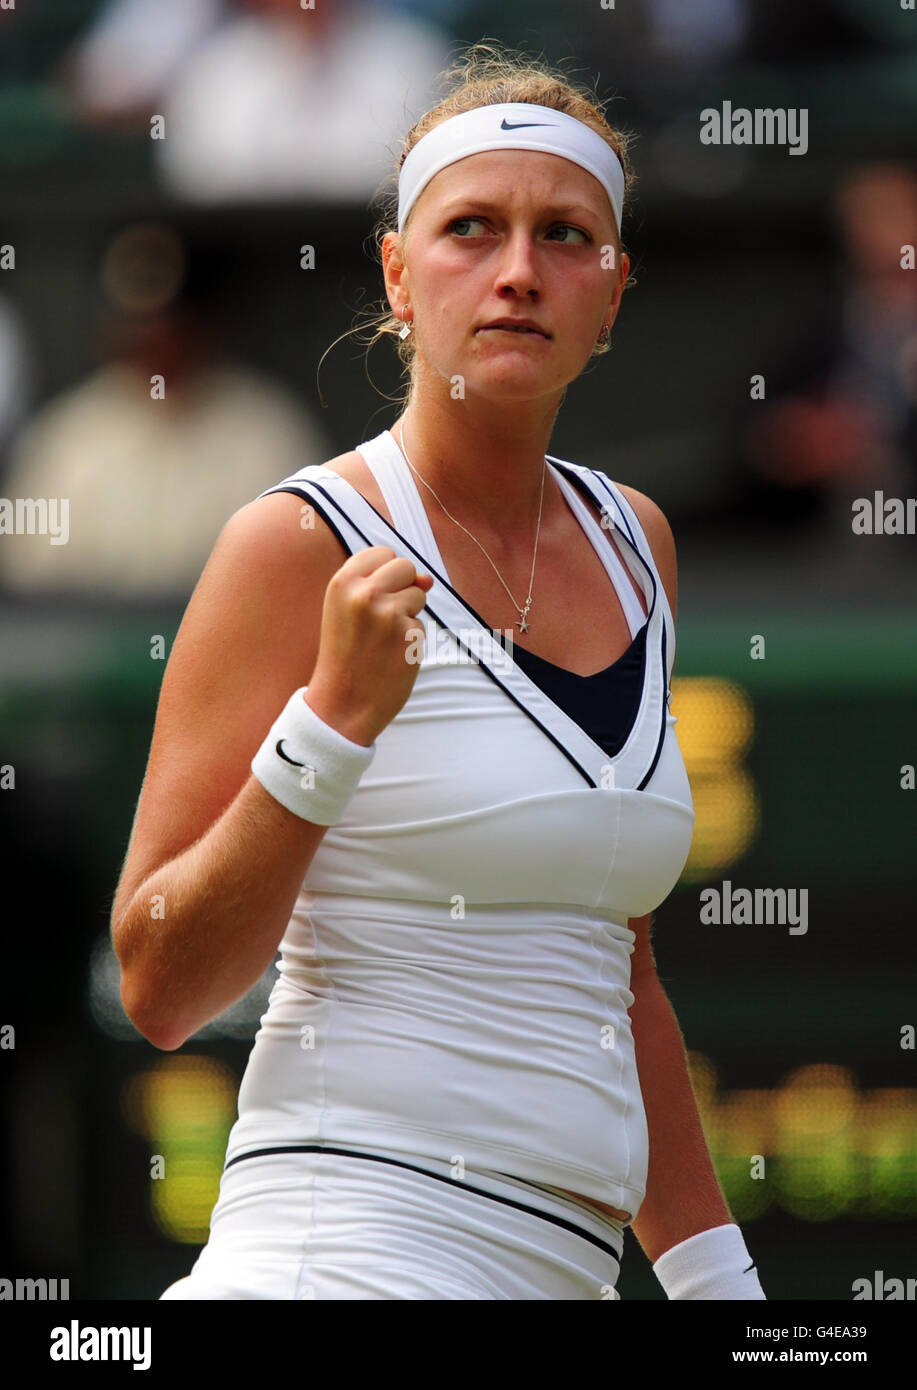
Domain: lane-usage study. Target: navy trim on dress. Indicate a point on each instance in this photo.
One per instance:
(425, 565)
(453, 1182)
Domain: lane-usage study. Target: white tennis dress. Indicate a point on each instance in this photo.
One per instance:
(454, 979)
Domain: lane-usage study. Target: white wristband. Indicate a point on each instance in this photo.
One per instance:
(307, 766)
(712, 1264)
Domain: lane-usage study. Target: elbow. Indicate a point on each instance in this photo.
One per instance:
(142, 1013)
(136, 998)
(163, 1035)
(167, 1044)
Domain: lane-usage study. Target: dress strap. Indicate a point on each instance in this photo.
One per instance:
(608, 554)
(395, 480)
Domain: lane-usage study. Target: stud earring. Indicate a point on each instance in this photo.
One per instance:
(405, 326)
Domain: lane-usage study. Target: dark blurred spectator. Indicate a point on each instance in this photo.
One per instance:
(788, 34)
(840, 417)
(151, 481)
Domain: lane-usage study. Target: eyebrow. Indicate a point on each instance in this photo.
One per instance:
(485, 205)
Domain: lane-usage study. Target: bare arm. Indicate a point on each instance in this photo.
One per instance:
(214, 862)
(200, 930)
(683, 1193)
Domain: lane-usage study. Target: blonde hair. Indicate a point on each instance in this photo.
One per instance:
(485, 74)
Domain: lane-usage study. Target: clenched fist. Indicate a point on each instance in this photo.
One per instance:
(363, 674)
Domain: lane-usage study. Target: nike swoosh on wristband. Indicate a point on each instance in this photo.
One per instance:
(284, 756)
(517, 125)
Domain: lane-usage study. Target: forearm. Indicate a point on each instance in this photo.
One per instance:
(683, 1194)
(202, 929)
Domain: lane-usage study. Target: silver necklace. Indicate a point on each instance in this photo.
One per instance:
(523, 611)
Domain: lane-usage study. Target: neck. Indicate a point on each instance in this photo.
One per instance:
(484, 459)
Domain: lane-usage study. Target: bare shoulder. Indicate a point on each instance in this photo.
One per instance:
(351, 459)
(248, 638)
(354, 469)
(271, 530)
(661, 540)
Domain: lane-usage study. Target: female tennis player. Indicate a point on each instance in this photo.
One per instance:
(415, 732)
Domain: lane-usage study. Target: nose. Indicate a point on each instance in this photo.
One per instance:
(518, 271)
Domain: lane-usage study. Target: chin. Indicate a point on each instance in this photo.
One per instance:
(507, 376)
(512, 393)
(514, 378)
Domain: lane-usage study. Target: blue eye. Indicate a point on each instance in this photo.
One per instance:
(459, 220)
(567, 228)
(564, 227)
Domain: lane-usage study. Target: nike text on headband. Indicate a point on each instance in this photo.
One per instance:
(511, 125)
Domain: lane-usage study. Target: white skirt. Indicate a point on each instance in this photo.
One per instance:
(321, 1222)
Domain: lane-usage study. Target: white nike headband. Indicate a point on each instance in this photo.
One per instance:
(509, 125)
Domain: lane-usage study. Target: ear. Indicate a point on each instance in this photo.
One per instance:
(394, 271)
(614, 303)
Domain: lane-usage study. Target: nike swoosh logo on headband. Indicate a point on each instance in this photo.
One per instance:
(517, 125)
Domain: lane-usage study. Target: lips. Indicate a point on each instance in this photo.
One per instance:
(532, 330)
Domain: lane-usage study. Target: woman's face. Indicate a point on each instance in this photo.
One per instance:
(515, 234)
